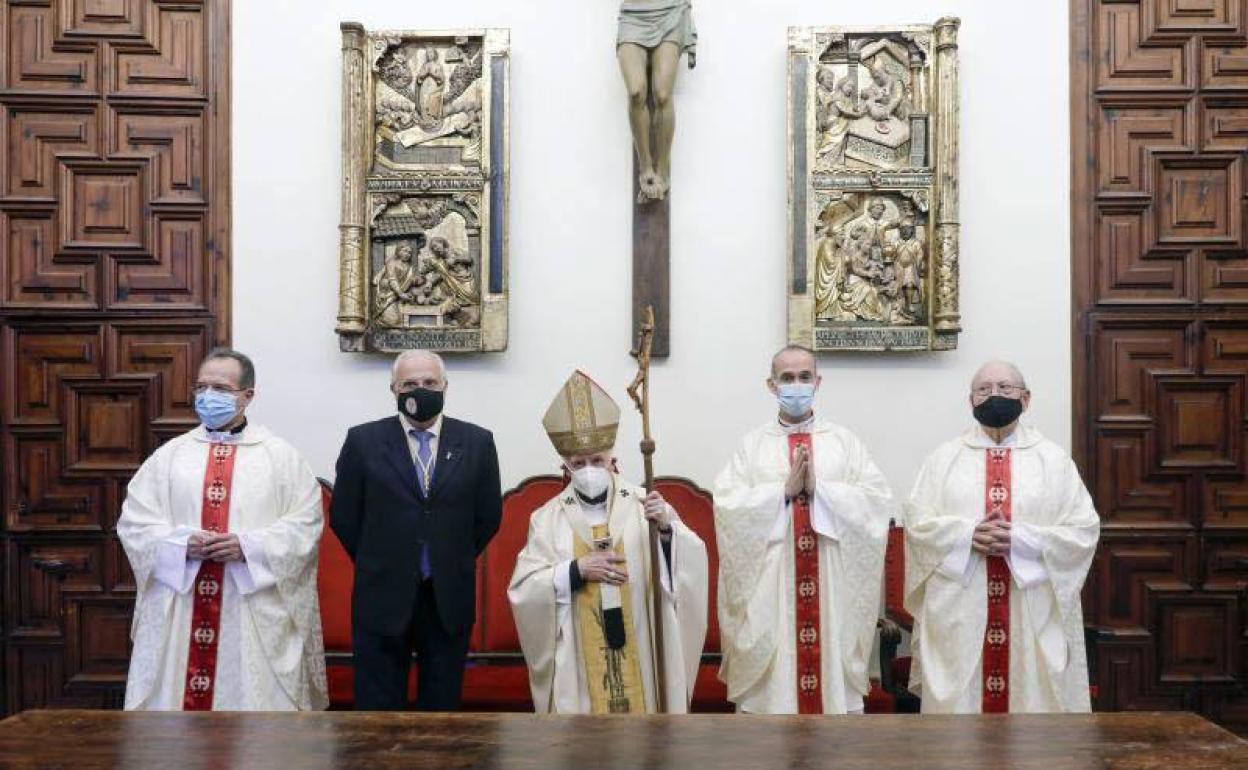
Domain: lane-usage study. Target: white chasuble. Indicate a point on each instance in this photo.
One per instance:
(1054, 530)
(269, 654)
(550, 617)
(758, 550)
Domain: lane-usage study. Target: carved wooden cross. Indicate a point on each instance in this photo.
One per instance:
(652, 268)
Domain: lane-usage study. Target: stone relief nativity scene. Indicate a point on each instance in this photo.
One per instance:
(873, 203)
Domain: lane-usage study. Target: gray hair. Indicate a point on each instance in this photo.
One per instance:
(409, 355)
(247, 370)
(1015, 373)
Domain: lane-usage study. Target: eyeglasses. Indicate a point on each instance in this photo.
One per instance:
(200, 388)
(1004, 388)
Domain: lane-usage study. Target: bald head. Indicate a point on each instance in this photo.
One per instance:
(418, 369)
(998, 373)
(794, 357)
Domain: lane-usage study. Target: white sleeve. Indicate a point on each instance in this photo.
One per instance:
(822, 513)
(563, 583)
(780, 527)
(172, 567)
(253, 574)
(1026, 557)
(957, 564)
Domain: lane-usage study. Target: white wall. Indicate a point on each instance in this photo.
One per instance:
(570, 228)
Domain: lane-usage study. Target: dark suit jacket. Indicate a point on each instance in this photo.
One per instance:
(381, 517)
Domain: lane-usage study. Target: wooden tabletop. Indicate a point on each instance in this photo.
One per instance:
(1129, 741)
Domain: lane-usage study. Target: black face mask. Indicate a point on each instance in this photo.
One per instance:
(998, 411)
(420, 404)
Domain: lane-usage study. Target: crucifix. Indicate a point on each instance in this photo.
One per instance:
(652, 36)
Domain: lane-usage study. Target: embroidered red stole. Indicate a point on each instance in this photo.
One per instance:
(201, 660)
(996, 662)
(806, 596)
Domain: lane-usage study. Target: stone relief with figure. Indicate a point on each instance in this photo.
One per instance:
(423, 256)
(873, 119)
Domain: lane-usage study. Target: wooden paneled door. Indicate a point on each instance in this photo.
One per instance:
(1160, 271)
(114, 228)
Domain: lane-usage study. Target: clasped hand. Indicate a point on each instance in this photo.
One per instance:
(992, 536)
(801, 475)
(214, 546)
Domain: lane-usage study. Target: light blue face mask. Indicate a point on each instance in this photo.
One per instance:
(215, 408)
(796, 398)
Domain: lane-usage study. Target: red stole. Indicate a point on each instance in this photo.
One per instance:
(201, 660)
(996, 662)
(806, 596)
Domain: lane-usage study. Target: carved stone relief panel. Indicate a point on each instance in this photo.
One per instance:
(423, 256)
(873, 127)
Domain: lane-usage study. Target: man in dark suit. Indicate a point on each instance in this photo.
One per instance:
(415, 502)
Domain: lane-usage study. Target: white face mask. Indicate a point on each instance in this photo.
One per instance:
(591, 481)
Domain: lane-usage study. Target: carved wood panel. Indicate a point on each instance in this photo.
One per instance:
(114, 282)
(1160, 274)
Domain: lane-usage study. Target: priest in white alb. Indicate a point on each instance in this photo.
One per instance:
(801, 519)
(581, 592)
(221, 526)
(1000, 533)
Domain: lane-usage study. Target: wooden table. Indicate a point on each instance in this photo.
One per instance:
(83, 739)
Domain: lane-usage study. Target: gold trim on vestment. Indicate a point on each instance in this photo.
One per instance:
(613, 677)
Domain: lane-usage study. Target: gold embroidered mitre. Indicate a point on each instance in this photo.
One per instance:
(582, 419)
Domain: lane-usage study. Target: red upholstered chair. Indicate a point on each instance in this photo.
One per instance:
(891, 695)
(496, 678)
(697, 510)
(334, 578)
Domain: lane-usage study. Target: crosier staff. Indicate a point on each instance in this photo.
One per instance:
(639, 392)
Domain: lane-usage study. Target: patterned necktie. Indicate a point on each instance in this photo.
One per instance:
(424, 475)
(424, 458)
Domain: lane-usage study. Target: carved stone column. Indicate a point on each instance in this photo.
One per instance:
(946, 318)
(353, 271)
(918, 99)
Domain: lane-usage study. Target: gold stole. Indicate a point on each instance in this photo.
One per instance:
(613, 676)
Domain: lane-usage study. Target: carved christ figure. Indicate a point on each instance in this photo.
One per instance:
(652, 36)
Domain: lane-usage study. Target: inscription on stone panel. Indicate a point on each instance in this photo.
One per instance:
(872, 339)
